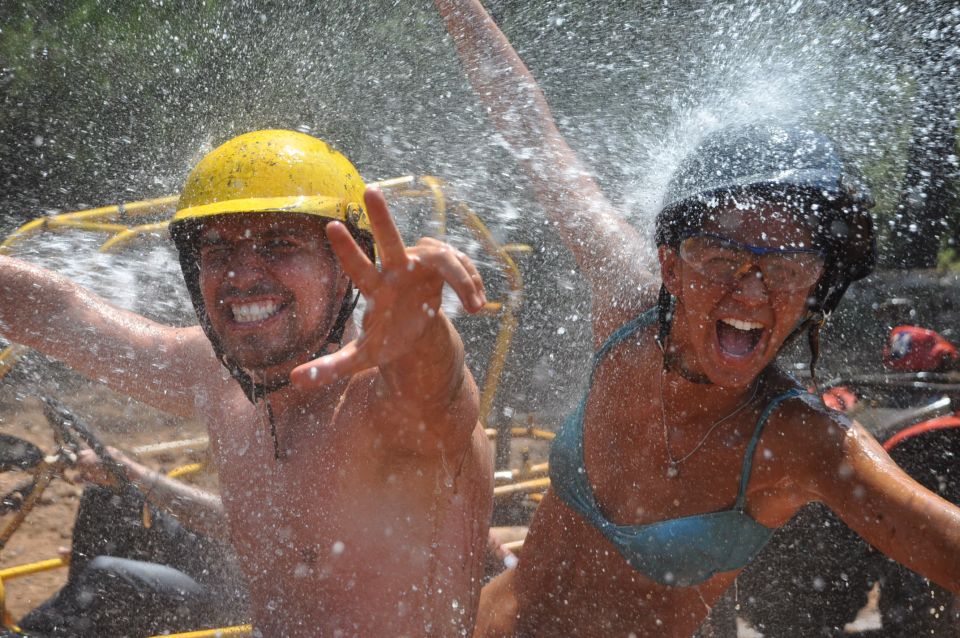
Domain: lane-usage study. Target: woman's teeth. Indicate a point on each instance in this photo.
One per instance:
(252, 312)
(742, 325)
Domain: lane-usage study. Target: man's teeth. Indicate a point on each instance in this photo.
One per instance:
(742, 325)
(250, 312)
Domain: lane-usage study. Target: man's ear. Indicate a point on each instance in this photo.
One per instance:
(669, 268)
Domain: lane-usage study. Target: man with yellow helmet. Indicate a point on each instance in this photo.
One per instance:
(355, 480)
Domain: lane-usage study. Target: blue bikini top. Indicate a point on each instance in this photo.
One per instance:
(679, 552)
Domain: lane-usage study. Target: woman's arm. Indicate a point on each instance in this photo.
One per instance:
(878, 500)
(611, 253)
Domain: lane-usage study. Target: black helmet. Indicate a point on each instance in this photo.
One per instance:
(795, 166)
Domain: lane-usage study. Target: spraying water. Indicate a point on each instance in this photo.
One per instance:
(634, 87)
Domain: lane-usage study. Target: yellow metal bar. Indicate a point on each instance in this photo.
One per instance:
(126, 210)
(239, 630)
(150, 206)
(82, 224)
(533, 485)
(518, 248)
(491, 382)
(10, 573)
(128, 235)
(45, 473)
(21, 234)
(533, 470)
(533, 433)
(186, 470)
(439, 202)
(514, 546)
(198, 443)
(6, 620)
(102, 215)
(19, 571)
(508, 321)
(393, 182)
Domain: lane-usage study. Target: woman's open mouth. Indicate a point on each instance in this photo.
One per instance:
(738, 338)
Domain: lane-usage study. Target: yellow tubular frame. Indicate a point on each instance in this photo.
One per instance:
(239, 630)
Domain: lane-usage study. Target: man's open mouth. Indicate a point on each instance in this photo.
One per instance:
(253, 312)
(738, 337)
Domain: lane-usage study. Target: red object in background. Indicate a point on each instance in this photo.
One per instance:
(915, 349)
(839, 398)
(940, 423)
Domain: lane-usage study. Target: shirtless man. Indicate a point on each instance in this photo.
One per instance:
(355, 481)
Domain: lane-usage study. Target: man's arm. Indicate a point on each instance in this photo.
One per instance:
(612, 254)
(156, 364)
(426, 396)
(196, 509)
(433, 392)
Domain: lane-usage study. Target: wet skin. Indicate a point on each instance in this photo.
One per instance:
(570, 580)
(344, 520)
(374, 519)
(569, 575)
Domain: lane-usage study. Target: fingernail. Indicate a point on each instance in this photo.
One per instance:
(313, 373)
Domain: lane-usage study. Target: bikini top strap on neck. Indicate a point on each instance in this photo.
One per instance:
(752, 446)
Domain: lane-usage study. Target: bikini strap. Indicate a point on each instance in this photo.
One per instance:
(621, 334)
(751, 448)
(570, 433)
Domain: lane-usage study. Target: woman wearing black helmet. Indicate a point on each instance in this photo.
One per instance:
(690, 446)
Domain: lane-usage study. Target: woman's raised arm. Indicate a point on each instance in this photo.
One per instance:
(608, 250)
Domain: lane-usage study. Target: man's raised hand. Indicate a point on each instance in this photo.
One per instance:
(403, 297)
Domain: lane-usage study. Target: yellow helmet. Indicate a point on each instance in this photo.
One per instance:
(275, 171)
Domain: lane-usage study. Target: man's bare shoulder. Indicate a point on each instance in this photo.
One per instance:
(220, 401)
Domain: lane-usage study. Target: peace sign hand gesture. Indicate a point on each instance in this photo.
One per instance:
(403, 297)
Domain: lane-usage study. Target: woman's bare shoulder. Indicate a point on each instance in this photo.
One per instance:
(806, 435)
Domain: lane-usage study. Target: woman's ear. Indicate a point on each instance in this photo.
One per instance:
(669, 268)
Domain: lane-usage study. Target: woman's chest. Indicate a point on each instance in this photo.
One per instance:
(646, 465)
